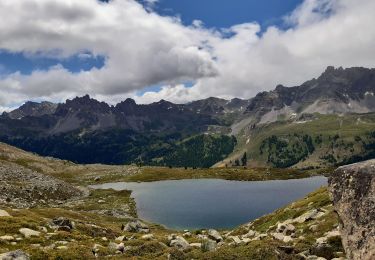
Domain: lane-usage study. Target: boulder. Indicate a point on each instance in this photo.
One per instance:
(15, 255)
(62, 224)
(352, 189)
(322, 250)
(209, 245)
(136, 226)
(214, 235)
(3, 213)
(180, 243)
(27, 233)
(286, 229)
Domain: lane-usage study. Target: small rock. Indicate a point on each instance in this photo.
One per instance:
(6, 238)
(313, 228)
(62, 247)
(121, 247)
(104, 239)
(62, 224)
(15, 255)
(187, 234)
(214, 235)
(29, 232)
(310, 215)
(287, 249)
(286, 229)
(97, 178)
(209, 245)
(196, 245)
(136, 226)
(236, 240)
(148, 237)
(3, 213)
(180, 243)
(249, 234)
(120, 238)
(322, 250)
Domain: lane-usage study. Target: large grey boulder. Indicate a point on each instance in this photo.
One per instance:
(352, 188)
(15, 255)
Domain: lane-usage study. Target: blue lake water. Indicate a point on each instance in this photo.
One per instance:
(213, 203)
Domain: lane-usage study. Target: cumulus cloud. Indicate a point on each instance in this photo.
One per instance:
(144, 49)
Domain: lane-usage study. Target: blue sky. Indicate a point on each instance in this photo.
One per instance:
(225, 13)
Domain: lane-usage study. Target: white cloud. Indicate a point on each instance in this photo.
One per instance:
(143, 49)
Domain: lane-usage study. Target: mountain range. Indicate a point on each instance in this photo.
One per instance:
(206, 132)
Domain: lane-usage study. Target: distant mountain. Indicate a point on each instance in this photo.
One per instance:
(32, 109)
(85, 130)
(336, 91)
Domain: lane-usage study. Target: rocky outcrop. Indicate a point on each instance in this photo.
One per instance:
(352, 189)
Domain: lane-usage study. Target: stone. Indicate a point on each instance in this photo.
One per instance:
(15, 255)
(310, 215)
(62, 247)
(187, 234)
(112, 247)
(236, 240)
(322, 250)
(27, 233)
(313, 228)
(3, 213)
(209, 245)
(121, 247)
(62, 224)
(287, 249)
(196, 245)
(136, 226)
(352, 190)
(249, 234)
(286, 229)
(180, 243)
(120, 238)
(214, 235)
(148, 237)
(6, 238)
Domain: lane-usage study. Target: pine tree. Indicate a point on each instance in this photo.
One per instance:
(244, 159)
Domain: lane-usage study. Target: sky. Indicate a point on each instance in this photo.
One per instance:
(175, 50)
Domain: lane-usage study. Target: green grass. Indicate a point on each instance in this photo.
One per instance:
(347, 128)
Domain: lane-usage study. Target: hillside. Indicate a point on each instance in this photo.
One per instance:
(311, 140)
(93, 223)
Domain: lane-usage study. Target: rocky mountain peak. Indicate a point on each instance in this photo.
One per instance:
(31, 108)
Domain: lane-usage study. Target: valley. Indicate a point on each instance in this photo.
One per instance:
(95, 217)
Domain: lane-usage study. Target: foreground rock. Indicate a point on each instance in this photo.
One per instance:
(15, 255)
(352, 189)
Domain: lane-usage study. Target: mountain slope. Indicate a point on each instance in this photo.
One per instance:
(311, 140)
(85, 130)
